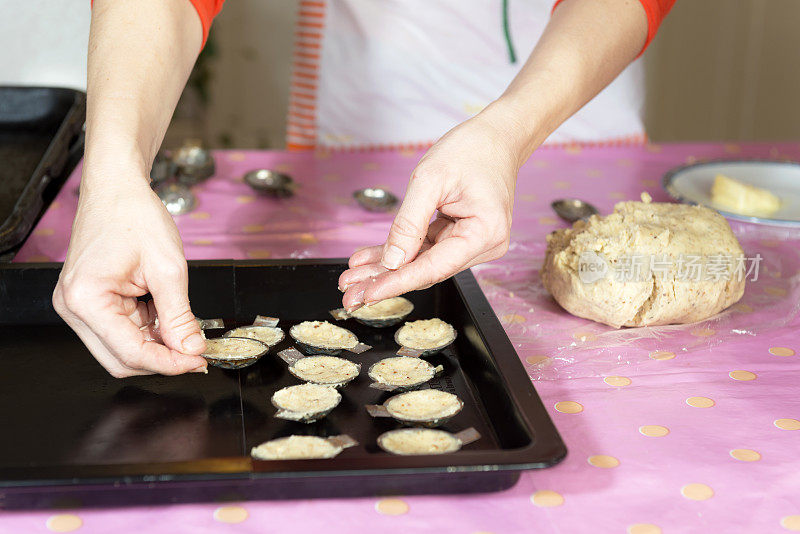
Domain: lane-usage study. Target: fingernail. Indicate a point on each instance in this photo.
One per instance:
(393, 257)
(359, 301)
(194, 343)
(344, 288)
(203, 369)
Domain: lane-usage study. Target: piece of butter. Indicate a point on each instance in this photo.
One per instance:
(743, 199)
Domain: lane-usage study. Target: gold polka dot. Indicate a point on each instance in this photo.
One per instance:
(644, 528)
(616, 195)
(230, 514)
(245, 199)
(300, 210)
(573, 149)
(39, 258)
(690, 159)
(604, 461)
(44, 231)
(64, 523)
(787, 424)
(653, 148)
(617, 381)
(732, 148)
(548, 220)
(745, 455)
(774, 274)
(322, 154)
(199, 215)
(331, 177)
(662, 355)
(339, 199)
(513, 318)
(547, 499)
(781, 351)
(584, 336)
(742, 375)
(253, 228)
(775, 291)
(202, 242)
(624, 162)
(259, 254)
(791, 522)
(561, 184)
(54, 205)
(541, 163)
(700, 402)
(569, 407)
(649, 182)
(370, 166)
(236, 156)
(654, 431)
(308, 239)
(528, 197)
(770, 243)
(742, 308)
(408, 152)
(703, 332)
(391, 506)
(536, 359)
(697, 492)
(284, 167)
(594, 173)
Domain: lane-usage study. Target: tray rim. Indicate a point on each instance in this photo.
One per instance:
(550, 445)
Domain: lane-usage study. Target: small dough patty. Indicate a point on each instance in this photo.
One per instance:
(325, 369)
(295, 448)
(411, 441)
(401, 371)
(233, 348)
(426, 334)
(266, 334)
(306, 398)
(385, 309)
(324, 334)
(424, 405)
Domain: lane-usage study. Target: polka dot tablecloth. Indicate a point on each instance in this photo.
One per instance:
(677, 429)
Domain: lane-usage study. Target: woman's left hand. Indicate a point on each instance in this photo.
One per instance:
(469, 177)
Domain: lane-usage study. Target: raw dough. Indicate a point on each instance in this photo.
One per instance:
(423, 405)
(266, 334)
(411, 441)
(296, 448)
(425, 334)
(401, 371)
(325, 369)
(305, 399)
(324, 334)
(588, 267)
(233, 348)
(385, 309)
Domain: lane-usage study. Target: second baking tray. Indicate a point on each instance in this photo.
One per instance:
(78, 429)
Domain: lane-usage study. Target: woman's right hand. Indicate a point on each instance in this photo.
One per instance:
(125, 244)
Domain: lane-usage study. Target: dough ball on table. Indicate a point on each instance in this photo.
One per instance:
(689, 265)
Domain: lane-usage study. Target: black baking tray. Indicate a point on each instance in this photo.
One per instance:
(74, 432)
(41, 141)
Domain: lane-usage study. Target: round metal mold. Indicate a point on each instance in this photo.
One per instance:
(375, 199)
(271, 182)
(303, 417)
(311, 350)
(573, 209)
(193, 162)
(414, 352)
(177, 198)
(218, 360)
(337, 385)
(255, 328)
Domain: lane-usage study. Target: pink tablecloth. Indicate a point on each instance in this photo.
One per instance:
(693, 429)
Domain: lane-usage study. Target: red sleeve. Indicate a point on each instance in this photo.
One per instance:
(656, 11)
(206, 10)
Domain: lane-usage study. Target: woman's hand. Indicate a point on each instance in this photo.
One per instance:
(124, 244)
(469, 177)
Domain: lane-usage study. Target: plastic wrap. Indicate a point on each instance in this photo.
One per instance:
(553, 341)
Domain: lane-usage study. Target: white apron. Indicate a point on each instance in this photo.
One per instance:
(374, 74)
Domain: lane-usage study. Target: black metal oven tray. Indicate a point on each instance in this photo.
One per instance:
(41, 141)
(72, 430)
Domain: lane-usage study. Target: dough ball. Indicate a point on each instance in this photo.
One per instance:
(690, 265)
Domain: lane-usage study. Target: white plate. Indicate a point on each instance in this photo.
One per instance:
(692, 184)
